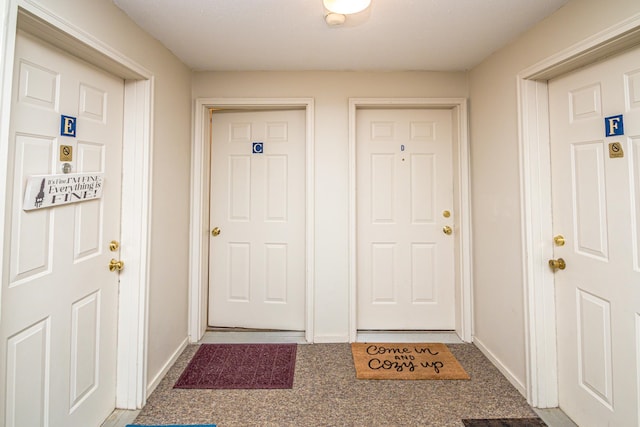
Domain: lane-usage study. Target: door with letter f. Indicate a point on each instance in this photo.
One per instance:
(595, 164)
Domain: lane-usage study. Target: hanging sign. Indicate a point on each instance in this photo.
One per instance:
(44, 191)
(614, 125)
(258, 148)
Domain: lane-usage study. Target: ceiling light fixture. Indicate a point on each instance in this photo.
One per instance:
(346, 7)
(334, 19)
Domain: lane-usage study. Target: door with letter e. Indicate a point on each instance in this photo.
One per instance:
(58, 329)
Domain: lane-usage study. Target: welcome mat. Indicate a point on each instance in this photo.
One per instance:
(240, 366)
(171, 425)
(504, 422)
(406, 361)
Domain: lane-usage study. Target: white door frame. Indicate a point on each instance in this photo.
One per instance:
(536, 205)
(462, 204)
(199, 234)
(32, 17)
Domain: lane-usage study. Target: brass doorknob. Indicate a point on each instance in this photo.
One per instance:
(557, 264)
(559, 240)
(115, 265)
(447, 230)
(215, 231)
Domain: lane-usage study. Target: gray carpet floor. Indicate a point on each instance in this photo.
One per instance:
(326, 393)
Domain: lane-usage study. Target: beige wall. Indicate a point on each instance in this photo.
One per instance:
(331, 92)
(171, 165)
(491, 86)
(498, 286)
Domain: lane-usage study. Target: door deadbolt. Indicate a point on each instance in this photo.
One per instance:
(114, 245)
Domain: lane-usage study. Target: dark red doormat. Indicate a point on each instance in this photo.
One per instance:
(240, 366)
(504, 422)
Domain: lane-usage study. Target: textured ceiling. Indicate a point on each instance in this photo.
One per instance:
(439, 35)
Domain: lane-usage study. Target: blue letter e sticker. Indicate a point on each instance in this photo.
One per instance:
(68, 126)
(613, 125)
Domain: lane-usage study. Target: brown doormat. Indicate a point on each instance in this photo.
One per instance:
(405, 361)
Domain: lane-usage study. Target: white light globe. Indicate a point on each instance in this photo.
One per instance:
(346, 7)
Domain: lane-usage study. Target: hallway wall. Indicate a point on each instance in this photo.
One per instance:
(491, 86)
(167, 308)
(499, 311)
(331, 92)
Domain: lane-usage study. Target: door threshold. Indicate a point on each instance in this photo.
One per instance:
(120, 418)
(234, 336)
(554, 417)
(445, 337)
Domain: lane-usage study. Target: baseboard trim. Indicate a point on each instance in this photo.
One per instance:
(330, 339)
(165, 368)
(503, 369)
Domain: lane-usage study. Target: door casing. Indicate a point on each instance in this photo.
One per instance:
(536, 206)
(199, 235)
(33, 18)
(462, 204)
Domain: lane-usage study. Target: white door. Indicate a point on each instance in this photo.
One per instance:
(596, 208)
(59, 299)
(257, 261)
(405, 277)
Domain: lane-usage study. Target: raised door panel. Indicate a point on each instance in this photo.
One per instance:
(31, 232)
(383, 273)
(422, 188)
(277, 190)
(276, 275)
(635, 202)
(589, 199)
(239, 188)
(594, 346)
(383, 178)
(423, 273)
(85, 330)
(28, 375)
